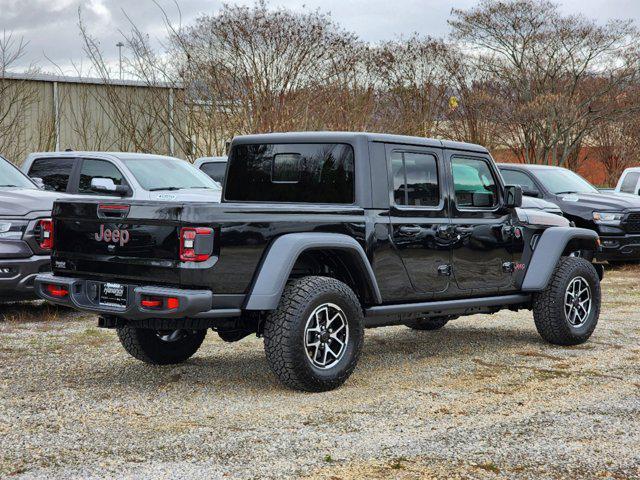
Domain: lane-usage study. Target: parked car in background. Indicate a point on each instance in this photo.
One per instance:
(615, 217)
(25, 232)
(532, 203)
(215, 167)
(137, 176)
(629, 181)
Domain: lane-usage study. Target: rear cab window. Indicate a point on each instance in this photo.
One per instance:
(291, 173)
(54, 172)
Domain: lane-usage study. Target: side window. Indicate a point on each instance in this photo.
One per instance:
(474, 183)
(98, 169)
(54, 172)
(215, 170)
(513, 177)
(415, 179)
(629, 183)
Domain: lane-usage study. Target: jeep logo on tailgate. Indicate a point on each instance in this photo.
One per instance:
(116, 236)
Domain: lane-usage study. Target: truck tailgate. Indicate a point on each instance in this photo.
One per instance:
(132, 240)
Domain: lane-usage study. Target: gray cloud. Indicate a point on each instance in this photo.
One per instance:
(51, 26)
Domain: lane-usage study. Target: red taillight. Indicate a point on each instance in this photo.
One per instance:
(160, 303)
(46, 234)
(172, 303)
(57, 290)
(196, 244)
(151, 302)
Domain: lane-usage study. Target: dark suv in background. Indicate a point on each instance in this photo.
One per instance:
(25, 232)
(615, 217)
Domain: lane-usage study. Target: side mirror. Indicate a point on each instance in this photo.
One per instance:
(531, 193)
(482, 199)
(39, 182)
(513, 196)
(106, 185)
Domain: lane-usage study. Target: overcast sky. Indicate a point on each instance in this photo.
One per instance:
(50, 26)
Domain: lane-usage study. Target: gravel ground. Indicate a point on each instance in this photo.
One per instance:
(482, 398)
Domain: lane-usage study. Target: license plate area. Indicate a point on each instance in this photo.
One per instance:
(113, 294)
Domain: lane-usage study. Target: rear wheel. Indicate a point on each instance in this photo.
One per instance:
(428, 323)
(313, 339)
(161, 347)
(567, 311)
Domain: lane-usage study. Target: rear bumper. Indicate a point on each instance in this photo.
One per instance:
(17, 276)
(622, 247)
(83, 295)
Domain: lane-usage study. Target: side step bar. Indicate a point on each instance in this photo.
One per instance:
(384, 315)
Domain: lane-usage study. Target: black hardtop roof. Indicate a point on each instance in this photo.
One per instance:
(351, 137)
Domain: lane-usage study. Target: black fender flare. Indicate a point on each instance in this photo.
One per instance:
(547, 253)
(282, 255)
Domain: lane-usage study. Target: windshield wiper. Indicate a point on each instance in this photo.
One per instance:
(164, 188)
(8, 185)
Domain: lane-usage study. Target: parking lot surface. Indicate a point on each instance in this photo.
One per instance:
(484, 397)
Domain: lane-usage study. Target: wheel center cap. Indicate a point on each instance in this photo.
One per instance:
(324, 337)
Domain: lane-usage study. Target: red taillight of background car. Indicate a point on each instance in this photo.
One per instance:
(57, 290)
(196, 244)
(46, 234)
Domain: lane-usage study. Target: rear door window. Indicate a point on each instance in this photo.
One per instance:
(54, 172)
(300, 172)
(98, 169)
(629, 183)
(415, 179)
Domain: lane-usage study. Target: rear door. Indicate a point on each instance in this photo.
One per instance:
(419, 217)
(482, 258)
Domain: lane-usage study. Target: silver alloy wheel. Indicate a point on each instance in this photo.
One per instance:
(577, 302)
(326, 335)
(171, 335)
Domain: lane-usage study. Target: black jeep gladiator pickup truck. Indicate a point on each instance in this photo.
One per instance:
(318, 236)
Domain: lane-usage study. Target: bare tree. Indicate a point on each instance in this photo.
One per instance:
(17, 95)
(555, 72)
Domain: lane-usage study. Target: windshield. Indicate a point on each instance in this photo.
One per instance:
(168, 174)
(560, 180)
(10, 176)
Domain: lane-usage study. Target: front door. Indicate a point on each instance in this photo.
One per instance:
(483, 236)
(419, 217)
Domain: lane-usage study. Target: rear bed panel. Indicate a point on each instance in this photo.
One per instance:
(242, 233)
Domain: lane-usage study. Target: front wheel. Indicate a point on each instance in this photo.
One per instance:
(160, 347)
(313, 339)
(567, 311)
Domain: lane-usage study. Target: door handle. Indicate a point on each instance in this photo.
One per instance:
(410, 229)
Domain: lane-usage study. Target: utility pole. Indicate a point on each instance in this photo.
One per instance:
(120, 45)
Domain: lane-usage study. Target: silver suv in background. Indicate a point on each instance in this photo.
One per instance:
(137, 176)
(215, 167)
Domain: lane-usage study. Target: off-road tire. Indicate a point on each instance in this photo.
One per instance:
(428, 323)
(145, 345)
(284, 334)
(549, 308)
